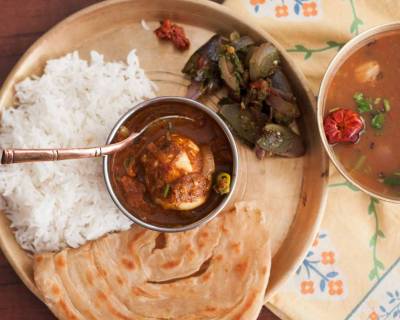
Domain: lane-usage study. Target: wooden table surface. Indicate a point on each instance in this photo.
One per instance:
(22, 22)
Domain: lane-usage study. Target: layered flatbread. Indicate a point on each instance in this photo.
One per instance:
(218, 271)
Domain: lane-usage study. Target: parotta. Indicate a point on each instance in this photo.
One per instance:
(218, 271)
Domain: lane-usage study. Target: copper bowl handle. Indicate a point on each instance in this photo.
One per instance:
(9, 156)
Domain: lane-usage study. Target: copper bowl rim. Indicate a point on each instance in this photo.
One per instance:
(235, 168)
(348, 49)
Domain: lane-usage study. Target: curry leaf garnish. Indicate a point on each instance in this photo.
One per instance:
(363, 104)
(378, 120)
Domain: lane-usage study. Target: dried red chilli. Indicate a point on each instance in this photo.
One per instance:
(173, 32)
(343, 125)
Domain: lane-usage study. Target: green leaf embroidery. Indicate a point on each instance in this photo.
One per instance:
(377, 264)
(355, 25)
(334, 44)
(381, 234)
(357, 22)
(330, 44)
(380, 265)
(307, 55)
(300, 48)
(371, 206)
(372, 242)
(372, 275)
(347, 184)
(308, 52)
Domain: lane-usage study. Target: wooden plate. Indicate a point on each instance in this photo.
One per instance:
(290, 191)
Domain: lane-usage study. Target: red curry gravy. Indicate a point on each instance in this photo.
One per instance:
(373, 70)
(131, 187)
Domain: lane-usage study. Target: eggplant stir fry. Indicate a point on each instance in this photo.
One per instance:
(260, 107)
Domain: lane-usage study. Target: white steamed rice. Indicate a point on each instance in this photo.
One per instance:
(74, 103)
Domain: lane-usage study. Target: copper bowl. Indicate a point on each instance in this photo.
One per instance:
(235, 165)
(348, 49)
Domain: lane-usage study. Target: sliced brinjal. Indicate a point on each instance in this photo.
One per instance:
(281, 82)
(228, 73)
(283, 111)
(243, 122)
(280, 140)
(263, 61)
(202, 66)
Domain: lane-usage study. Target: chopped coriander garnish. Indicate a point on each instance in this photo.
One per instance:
(358, 96)
(363, 104)
(392, 180)
(378, 120)
(166, 190)
(366, 105)
(386, 105)
(128, 163)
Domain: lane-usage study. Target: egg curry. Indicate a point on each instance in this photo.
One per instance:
(177, 171)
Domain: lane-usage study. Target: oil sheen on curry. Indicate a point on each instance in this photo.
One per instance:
(177, 172)
(362, 123)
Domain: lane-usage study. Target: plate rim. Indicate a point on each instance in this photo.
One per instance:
(9, 82)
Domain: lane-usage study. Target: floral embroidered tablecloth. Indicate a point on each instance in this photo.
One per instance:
(352, 270)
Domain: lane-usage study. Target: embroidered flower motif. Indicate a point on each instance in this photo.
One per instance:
(373, 316)
(307, 287)
(310, 9)
(328, 257)
(256, 2)
(318, 275)
(335, 287)
(281, 11)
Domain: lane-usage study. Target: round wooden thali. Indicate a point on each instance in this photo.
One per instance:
(291, 192)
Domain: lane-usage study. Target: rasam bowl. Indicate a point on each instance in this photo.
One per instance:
(361, 41)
